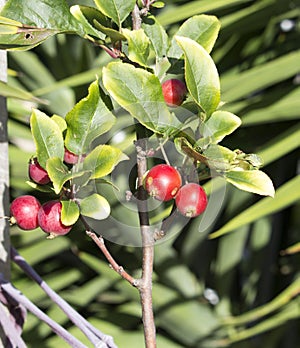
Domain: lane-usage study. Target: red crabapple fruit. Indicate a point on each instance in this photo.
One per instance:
(24, 212)
(49, 218)
(162, 182)
(191, 200)
(36, 173)
(174, 92)
(70, 157)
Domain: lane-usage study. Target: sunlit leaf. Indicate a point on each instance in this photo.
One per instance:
(138, 45)
(201, 75)
(95, 206)
(102, 160)
(140, 93)
(117, 10)
(254, 181)
(69, 212)
(203, 29)
(89, 118)
(47, 136)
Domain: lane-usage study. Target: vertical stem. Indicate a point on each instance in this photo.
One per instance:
(4, 184)
(145, 285)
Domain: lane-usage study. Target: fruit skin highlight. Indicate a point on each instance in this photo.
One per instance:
(36, 173)
(49, 219)
(174, 92)
(24, 212)
(191, 200)
(162, 182)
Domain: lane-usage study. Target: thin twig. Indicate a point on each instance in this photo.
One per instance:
(114, 265)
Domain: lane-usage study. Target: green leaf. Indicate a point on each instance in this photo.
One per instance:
(113, 34)
(201, 75)
(85, 15)
(138, 45)
(117, 10)
(69, 212)
(47, 136)
(203, 29)
(102, 160)
(60, 174)
(286, 195)
(220, 124)
(95, 206)
(41, 188)
(60, 121)
(140, 93)
(157, 36)
(254, 181)
(47, 14)
(89, 118)
(40, 20)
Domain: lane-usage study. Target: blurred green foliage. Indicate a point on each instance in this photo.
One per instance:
(201, 285)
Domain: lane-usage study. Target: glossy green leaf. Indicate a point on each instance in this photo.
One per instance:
(203, 29)
(60, 121)
(113, 34)
(117, 10)
(89, 118)
(41, 188)
(95, 206)
(84, 14)
(59, 174)
(286, 195)
(69, 212)
(37, 24)
(220, 124)
(47, 136)
(102, 160)
(140, 93)
(157, 35)
(201, 75)
(47, 14)
(254, 181)
(138, 45)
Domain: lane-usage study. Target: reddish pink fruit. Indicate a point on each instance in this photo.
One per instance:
(24, 212)
(70, 157)
(49, 218)
(191, 200)
(174, 92)
(38, 174)
(162, 182)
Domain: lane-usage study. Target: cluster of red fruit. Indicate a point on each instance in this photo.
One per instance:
(163, 182)
(28, 213)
